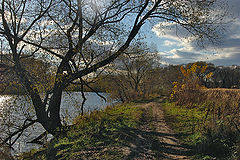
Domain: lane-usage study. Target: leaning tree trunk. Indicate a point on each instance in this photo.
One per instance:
(54, 112)
(48, 117)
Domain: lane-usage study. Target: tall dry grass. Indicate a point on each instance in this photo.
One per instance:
(222, 107)
(220, 122)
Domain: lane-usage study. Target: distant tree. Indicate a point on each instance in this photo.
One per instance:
(225, 77)
(38, 70)
(81, 37)
(199, 73)
(132, 71)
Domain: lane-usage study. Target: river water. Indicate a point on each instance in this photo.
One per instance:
(15, 109)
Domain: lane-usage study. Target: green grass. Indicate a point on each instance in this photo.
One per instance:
(184, 122)
(99, 135)
(206, 143)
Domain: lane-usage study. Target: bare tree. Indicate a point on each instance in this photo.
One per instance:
(131, 71)
(83, 36)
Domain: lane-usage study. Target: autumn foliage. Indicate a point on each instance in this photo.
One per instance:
(187, 90)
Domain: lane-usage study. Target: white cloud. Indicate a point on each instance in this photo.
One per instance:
(169, 43)
(184, 48)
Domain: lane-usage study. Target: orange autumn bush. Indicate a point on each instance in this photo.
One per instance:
(188, 89)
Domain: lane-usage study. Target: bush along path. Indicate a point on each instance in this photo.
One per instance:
(131, 132)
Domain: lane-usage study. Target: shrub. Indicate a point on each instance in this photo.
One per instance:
(188, 89)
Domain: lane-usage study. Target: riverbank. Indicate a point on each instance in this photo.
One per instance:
(130, 131)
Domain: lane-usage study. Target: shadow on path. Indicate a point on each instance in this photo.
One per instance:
(157, 143)
(147, 145)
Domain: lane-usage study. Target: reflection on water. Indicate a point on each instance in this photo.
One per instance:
(3, 100)
(15, 109)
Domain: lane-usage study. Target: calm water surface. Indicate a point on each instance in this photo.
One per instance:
(16, 108)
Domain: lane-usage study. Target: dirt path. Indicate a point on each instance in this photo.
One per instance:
(156, 141)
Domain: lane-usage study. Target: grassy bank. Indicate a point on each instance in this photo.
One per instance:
(99, 135)
(196, 130)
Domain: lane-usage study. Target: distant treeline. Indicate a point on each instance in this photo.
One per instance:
(222, 77)
(124, 85)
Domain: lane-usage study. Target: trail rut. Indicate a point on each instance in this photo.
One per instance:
(157, 140)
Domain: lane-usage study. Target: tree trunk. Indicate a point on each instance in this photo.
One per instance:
(50, 118)
(54, 112)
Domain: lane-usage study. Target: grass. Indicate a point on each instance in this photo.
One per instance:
(183, 121)
(206, 141)
(99, 135)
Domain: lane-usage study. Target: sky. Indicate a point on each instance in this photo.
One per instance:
(173, 49)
